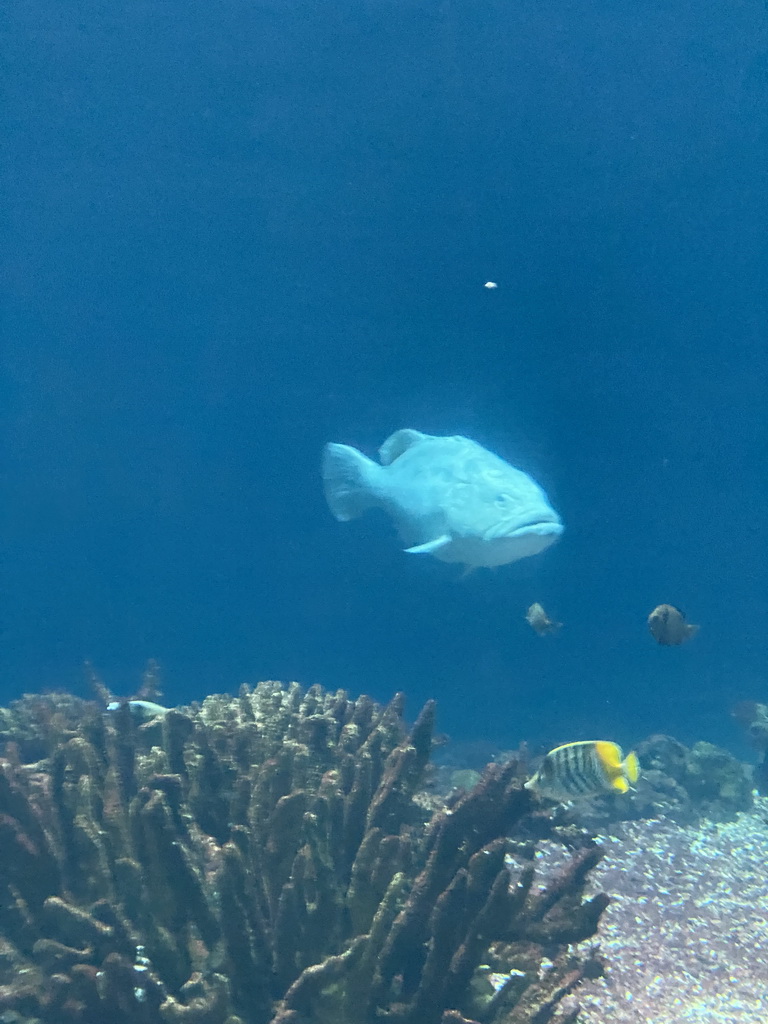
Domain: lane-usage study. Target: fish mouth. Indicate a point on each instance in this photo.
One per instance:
(545, 524)
(536, 526)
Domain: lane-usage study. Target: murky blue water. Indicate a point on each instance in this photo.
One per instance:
(237, 231)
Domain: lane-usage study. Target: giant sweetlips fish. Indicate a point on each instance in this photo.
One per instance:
(448, 496)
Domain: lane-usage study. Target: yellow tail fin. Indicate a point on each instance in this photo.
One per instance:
(631, 767)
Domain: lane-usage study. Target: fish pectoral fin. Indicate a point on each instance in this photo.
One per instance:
(431, 546)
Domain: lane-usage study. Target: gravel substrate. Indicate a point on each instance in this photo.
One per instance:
(686, 936)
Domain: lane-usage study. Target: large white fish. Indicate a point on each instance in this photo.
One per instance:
(449, 497)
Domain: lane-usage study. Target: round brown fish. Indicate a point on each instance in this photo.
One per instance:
(668, 626)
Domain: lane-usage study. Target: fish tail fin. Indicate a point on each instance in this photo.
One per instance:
(348, 479)
(624, 773)
(631, 767)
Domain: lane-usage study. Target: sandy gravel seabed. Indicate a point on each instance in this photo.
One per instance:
(686, 936)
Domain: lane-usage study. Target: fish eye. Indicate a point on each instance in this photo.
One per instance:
(502, 500)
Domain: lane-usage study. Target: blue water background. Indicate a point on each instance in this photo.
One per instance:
(236, 231)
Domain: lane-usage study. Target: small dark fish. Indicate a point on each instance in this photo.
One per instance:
(584, 769)
(668, 626)
(540, 622)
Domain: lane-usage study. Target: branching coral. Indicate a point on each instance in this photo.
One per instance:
(266, 859)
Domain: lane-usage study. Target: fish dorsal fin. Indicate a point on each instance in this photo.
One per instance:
(398, 443)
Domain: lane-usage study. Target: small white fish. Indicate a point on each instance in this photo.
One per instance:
(448, 496)
(144, 709)
(540, 622)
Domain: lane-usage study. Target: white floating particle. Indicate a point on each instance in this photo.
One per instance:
(490, 284)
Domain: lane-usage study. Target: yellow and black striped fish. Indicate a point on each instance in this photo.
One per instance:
(584, 769)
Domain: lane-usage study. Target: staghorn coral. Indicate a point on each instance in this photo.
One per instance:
(268, 859)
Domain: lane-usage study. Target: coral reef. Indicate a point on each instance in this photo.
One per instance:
(271, 858)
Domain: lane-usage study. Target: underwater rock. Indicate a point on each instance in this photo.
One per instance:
(754, 718)
(717, 782)
(464, 779)
(663, 754)
(660, 796)
(268, 859)
(714, 780)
